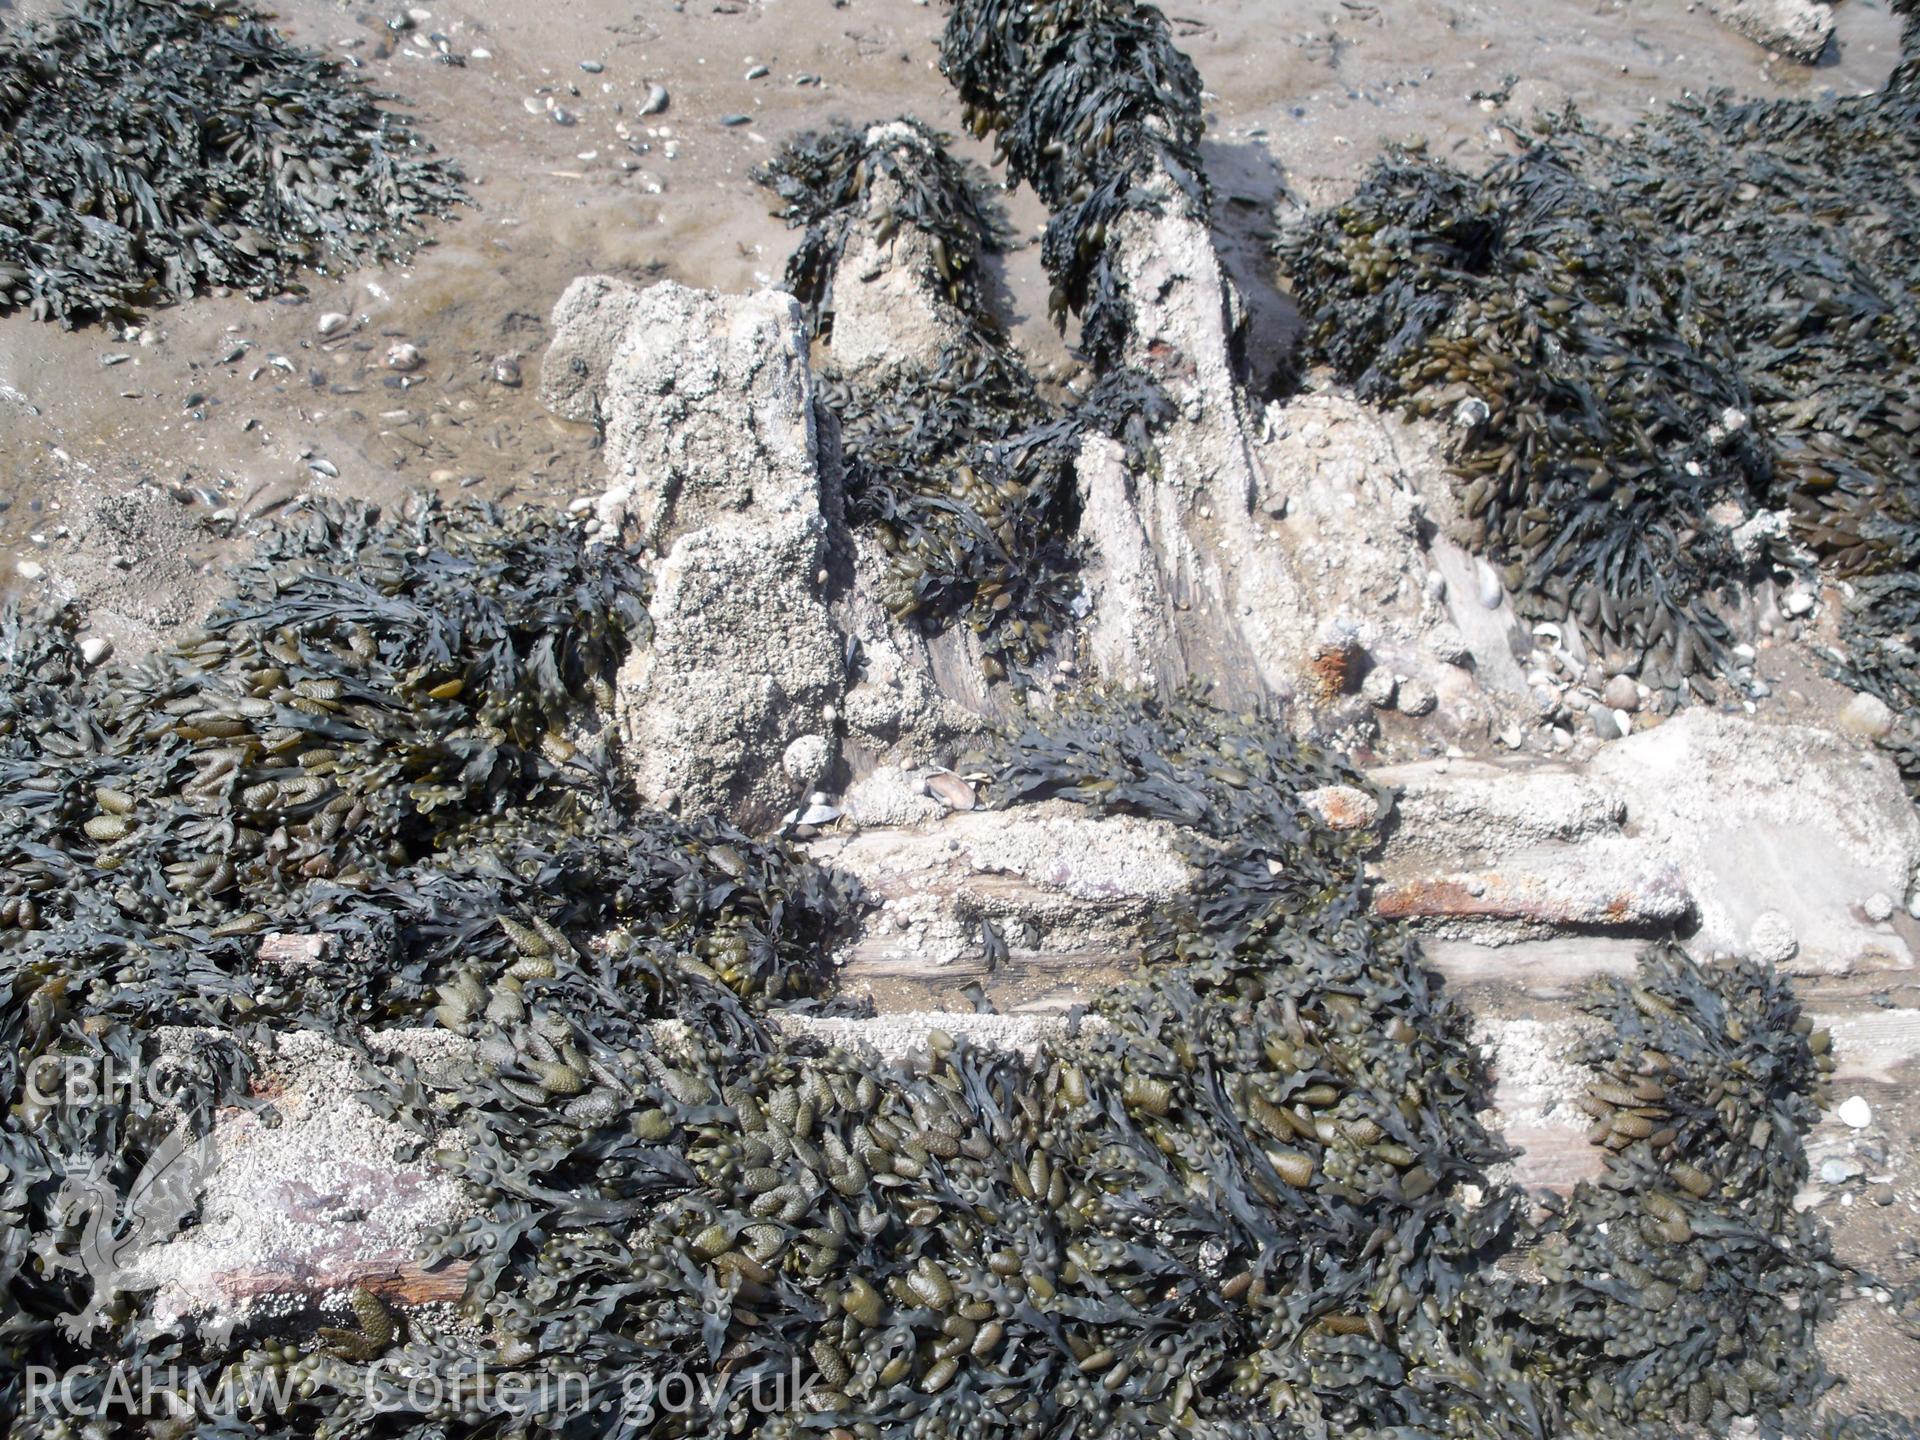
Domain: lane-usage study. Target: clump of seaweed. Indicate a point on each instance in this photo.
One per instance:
(378, 736)
(389, 736)
(1235, 780)
(1093, 105)
(1607, 413)
(966, 479)
(1684, 1287)
(1716, 307)
(1798, 222)
(152, 149)
(1145, 1228)
(1234, 1202)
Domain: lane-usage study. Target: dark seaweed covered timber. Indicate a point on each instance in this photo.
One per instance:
(972, 529)
(1236, 1206)
(962, 469)
(151, 149)
(1609, 299)
(1092, 105)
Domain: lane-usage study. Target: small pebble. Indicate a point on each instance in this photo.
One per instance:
(1604, 722)
(592, 67)
(1446, 644)
(107, 362)
(30, 569)
(560, 115)
(1342, 807)
(1378, 687)
(656, 100)
(331, 323)
(735, 121)
(950, 790)
(95, 648)
(1882, 1195)
(404, 357)
(506, 371)
(1855, 1113)
(1772, 938)
(1878, 907)
(1622, 694)
(1797, 602)
(1415, 697)
(1867, 716)
(1837, 1171)
(757, 72)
